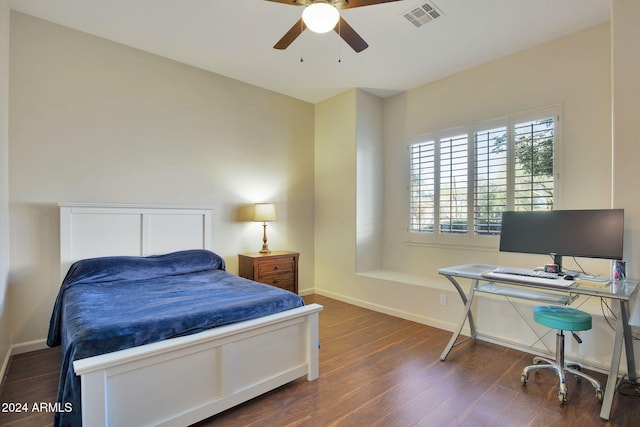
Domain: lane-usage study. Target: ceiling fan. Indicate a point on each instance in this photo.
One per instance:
(329, 19)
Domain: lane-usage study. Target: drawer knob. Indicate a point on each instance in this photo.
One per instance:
(277, 281)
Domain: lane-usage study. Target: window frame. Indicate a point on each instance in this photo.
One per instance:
(471, 238)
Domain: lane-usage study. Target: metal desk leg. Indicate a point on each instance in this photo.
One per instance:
(628, 341)
(623, 333)
(467, 315)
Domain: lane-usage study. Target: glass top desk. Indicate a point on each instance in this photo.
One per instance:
(619, 292)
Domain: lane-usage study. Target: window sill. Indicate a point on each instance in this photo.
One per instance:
(406, 278)
(470, 246)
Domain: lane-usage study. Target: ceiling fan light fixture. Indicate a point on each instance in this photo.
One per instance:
(320, 17)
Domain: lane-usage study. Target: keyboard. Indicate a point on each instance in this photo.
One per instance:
(555, 282)
(525, 272)
(533, 295)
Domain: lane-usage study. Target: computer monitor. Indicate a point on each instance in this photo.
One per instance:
(594, 233)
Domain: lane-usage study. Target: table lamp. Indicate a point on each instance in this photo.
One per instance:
(264, 212)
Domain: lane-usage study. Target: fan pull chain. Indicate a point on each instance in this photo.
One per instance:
(301, 42)
(339, 42)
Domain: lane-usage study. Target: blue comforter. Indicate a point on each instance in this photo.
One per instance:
(112, 303)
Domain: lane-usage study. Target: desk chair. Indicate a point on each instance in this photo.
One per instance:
(563, 319)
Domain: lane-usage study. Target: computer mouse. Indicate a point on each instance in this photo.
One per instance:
(569, 277)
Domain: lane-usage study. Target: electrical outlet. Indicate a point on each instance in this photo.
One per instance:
(443, 299)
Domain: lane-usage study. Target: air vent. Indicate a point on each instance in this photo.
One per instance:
(422, 14)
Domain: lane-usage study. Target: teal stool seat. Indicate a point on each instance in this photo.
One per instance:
(563, 319)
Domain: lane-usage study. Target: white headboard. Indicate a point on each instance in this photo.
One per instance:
(95, 230)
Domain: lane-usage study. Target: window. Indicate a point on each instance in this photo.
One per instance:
(463, 179)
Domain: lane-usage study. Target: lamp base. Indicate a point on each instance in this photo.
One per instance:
(265, 250)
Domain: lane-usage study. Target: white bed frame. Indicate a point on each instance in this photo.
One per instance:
(183, 380)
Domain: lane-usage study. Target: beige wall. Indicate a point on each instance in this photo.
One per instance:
(348, 186)
(4, 182)
(95, 121)
(335, 186)
(369, 181)
(626, 109)
(573, 72)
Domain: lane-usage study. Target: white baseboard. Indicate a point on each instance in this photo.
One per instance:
(19, 349)
(5, 366)
(26, 347)
(429, 321)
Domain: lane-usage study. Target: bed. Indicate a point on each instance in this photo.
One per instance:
(166, 339)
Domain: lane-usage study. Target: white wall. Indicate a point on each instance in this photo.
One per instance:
(4, 181)
(574, 72)
(95, 121)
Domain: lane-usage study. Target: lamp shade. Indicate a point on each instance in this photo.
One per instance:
(264, 212)
(320, 17)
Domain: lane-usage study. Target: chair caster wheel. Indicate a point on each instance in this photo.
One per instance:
(524, 378)
(562, 395)
(599, 395)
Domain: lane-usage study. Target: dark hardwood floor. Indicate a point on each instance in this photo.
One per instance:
(378, 370)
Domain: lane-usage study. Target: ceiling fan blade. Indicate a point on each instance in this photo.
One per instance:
(291, 35)
(349, 35)
(350, 4)
(291, 2)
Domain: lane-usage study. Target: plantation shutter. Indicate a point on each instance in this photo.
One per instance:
(491, 176)
(453, 206)
(533, 150)
(422, 187)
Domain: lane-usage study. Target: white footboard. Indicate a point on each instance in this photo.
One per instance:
(187, 379)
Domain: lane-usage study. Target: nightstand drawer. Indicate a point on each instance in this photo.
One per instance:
(284, 281)
(278, 266)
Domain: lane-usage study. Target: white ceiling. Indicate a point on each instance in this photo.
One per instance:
(234, 38)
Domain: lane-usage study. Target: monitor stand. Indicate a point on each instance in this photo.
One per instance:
(557, 260)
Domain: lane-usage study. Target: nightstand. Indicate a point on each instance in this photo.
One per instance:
(278, 268)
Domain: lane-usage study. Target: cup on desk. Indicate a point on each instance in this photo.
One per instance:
(619, 270)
